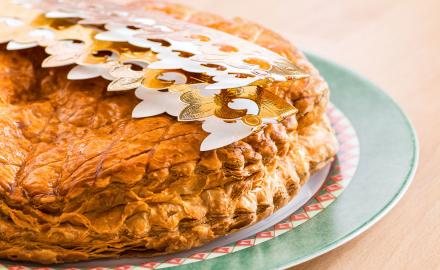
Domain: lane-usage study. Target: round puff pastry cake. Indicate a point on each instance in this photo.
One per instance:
(80, 179)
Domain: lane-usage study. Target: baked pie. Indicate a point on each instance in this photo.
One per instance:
(81, 179)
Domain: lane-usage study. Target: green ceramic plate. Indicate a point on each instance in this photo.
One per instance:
(388, 160)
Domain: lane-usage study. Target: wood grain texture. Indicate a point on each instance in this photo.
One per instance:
(396, 44)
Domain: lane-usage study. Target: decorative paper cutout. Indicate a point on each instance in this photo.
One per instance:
(189, 71)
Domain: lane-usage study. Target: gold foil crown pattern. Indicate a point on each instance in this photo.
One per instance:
(189, 71)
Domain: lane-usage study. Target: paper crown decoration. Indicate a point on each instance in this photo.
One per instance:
(189, 71)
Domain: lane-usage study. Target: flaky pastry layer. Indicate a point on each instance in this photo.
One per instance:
(80, 179)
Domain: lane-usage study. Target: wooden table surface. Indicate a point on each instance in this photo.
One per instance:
(396, 44)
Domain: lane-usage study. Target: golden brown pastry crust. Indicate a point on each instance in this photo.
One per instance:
(80, 179)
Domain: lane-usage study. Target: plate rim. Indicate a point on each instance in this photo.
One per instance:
(397, 196)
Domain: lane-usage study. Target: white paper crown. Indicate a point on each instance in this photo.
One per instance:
(189, 71)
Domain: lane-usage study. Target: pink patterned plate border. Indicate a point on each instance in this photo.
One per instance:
(341, 173)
